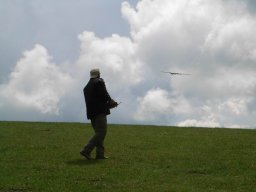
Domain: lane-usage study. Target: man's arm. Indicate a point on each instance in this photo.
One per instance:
(102, 90)
(105, 95)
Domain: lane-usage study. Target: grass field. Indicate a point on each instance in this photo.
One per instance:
(45, 157)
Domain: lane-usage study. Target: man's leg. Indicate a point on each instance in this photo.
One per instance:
(101, 130)
(86, 152)
(99, 124)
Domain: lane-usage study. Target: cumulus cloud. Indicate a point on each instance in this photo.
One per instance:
(208, 122)
(115, 56)
(158, 105)
(155, 102)
(213, 40)
(36, 83)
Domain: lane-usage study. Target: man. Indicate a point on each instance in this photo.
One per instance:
(98, 105)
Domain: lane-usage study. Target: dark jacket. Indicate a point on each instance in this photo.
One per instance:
(96, 98)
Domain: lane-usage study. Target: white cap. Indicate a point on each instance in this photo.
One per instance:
(94, 73)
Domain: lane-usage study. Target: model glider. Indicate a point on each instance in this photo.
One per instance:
(174, 73)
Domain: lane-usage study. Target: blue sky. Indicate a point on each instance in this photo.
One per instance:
(48, 48)
(55, 24)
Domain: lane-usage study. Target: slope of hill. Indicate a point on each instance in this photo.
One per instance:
(45, 157)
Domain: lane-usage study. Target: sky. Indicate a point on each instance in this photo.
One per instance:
(48, 48)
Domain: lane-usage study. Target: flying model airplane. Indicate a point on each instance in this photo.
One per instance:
(173, 73)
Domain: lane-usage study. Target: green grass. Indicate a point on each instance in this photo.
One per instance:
(45, 157)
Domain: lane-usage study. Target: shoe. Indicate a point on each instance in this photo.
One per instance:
(86, 155)
(103, 157)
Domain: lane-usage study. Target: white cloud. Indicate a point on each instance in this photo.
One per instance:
(234, 106)
(158, 106)
(155, 102)
(115, 56)
(214, 40)
(36, 83)
(199, 123)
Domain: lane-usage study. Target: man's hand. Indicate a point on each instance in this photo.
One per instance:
(112, 104)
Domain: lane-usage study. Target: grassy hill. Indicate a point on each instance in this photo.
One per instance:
(45, 157)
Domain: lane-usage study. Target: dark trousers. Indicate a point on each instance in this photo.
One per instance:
(99, 124)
